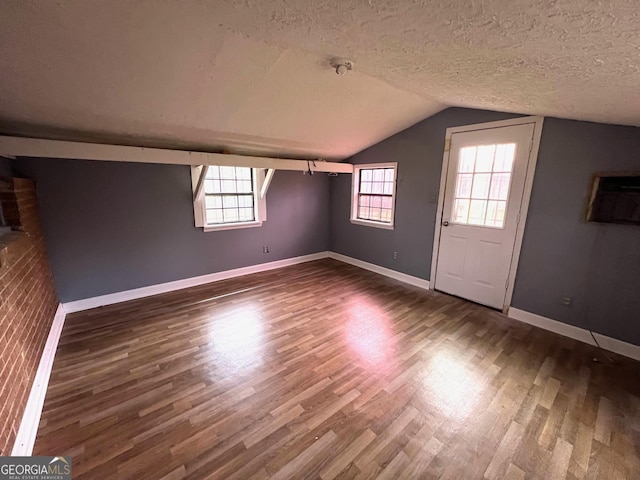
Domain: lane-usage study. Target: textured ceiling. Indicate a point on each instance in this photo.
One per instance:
(254, 76)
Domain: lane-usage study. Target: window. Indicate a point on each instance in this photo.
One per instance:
(230, 198)
(482, 187)
(374, 191)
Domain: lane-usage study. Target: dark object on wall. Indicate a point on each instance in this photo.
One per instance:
(615, 198)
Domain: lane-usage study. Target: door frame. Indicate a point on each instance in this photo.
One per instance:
(526, 195)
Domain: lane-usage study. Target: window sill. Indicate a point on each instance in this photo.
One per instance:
(230, 226)
(384, 226)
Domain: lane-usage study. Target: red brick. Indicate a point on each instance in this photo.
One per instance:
(27, 305)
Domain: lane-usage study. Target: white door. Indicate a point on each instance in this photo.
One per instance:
(483, 195)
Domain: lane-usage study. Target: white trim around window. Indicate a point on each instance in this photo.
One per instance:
(200, 202)
(363, 212)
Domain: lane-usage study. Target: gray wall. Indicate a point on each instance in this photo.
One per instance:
(418, 151)
(598, 266)
(113, 226)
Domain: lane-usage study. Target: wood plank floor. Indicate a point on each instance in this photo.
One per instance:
(323, 370)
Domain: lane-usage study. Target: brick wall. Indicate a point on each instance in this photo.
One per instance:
(27, 304)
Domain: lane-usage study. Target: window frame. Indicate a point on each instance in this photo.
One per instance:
(355, 193)
(200, 209)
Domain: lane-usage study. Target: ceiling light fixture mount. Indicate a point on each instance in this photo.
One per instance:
(341, 65)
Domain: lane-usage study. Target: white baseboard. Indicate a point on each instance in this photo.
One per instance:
(577, 333)
(26, 437)
(110, 299)
(387, 272)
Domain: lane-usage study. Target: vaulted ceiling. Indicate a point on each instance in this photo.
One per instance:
(254, 76)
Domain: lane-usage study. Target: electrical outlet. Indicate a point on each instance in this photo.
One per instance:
(566, 301)
(265, 249)
(395, 255)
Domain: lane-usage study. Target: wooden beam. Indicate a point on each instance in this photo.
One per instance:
(267, 181)
(200, 186)
(34, 147)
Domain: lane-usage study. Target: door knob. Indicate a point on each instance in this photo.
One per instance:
(445, 223)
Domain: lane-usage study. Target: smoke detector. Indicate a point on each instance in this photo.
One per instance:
(341, 65)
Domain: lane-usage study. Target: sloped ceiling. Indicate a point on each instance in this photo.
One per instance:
(254, 76)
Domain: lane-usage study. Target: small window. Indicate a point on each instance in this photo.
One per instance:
(229, 195)
(374, 191)
(230, 198)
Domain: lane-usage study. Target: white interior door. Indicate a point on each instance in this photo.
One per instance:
(482, 200)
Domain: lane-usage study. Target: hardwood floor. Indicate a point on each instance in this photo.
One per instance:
(323, 370)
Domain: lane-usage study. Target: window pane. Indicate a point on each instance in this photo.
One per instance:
(467, 159)
(228, 186)
(243, 173)
(477, 211)
(375, 207)
(388, 188)
(231, 215)
(495, 213)
(366, 175)
(209, 186)
(460, 210)
(365, 187)
(214, 216)
(246, 214)
(213, 201)
(229, 201)
(505, 154)
(484, 159)
(244, 186)
(213, 172)
(378, 187)
(481, 185)
(378, 175)
(463, 185)
(500, 186)
(227, 172)
(388, 175)
(245, 201)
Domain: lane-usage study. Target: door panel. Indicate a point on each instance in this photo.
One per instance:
(488, 256)
(483, 195)
(455, 268)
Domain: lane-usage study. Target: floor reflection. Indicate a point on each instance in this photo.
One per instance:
(369, 335)
(237, 339)
(450, 386)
